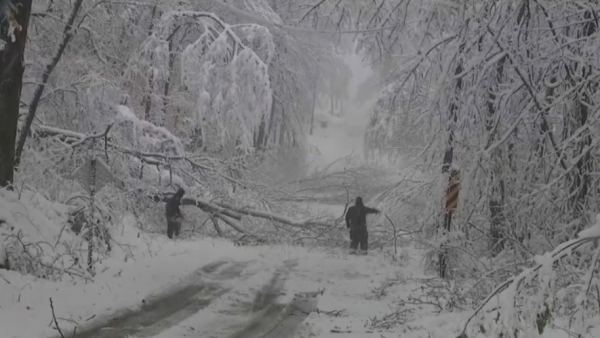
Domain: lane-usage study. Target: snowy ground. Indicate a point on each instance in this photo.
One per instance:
(212, 288)
(341, 282)
(343, 287)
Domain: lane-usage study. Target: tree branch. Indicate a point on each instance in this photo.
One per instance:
(56, 326)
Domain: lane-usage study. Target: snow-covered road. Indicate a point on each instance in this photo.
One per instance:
(278, 292)
(267, 318)
(342, 138)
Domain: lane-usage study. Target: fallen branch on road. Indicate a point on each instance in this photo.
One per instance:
(228, 216)
(215, 222)
(232, 223)
(210, 207)
(348, 331)
(56, 326)
(270, 216)
(332, 313)
(202, 204)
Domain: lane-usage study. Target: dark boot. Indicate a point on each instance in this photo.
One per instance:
(170, 229)
(177, 229)
(364, 242)
(354, 242)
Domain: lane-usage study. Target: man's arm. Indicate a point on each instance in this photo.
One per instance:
(371, 210)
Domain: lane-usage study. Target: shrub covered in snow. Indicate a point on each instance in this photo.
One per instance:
(36, 238)
(562, 287)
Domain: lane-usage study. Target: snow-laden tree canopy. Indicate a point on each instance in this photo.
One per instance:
(224, 72)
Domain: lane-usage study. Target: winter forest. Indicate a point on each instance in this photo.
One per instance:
(469, 128)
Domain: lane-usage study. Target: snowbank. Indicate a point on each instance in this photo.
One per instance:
(140, 266)
(121, 286)
(33, 239)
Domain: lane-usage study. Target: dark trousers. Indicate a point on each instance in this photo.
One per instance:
(359, 237)
(173, 227)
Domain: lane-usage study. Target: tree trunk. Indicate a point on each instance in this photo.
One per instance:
(281, 133)
(580, 179)
(271, 130)
(312, 115)
(148, 97)
(259, 139)
(496, 193)
(11, 82)
(171, 62)
(448, 158)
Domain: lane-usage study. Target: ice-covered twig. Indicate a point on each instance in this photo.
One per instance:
(56, 326)
(395, 237)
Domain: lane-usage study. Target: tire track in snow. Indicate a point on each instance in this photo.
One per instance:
(172, 308)
(268, 293)
(292, 315)
(274, 320)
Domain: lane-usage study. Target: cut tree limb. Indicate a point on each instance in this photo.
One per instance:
(205, 206)
(271, 216)
(215, 222)
(210, 207)
(234, 224)
(229, 217)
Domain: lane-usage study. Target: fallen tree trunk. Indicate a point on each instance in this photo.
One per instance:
(271, 216)
(215, 212)
(234, 224)
(210, 207)
(205, 206)
(215, 222)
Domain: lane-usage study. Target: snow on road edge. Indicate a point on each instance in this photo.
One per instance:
(123, 281)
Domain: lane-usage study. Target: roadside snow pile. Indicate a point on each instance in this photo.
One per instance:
(33, 239)
(120, 287)
(42, 254)
(123, 283)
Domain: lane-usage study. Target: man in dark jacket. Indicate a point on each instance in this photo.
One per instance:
(174, 216)
(356, 221)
